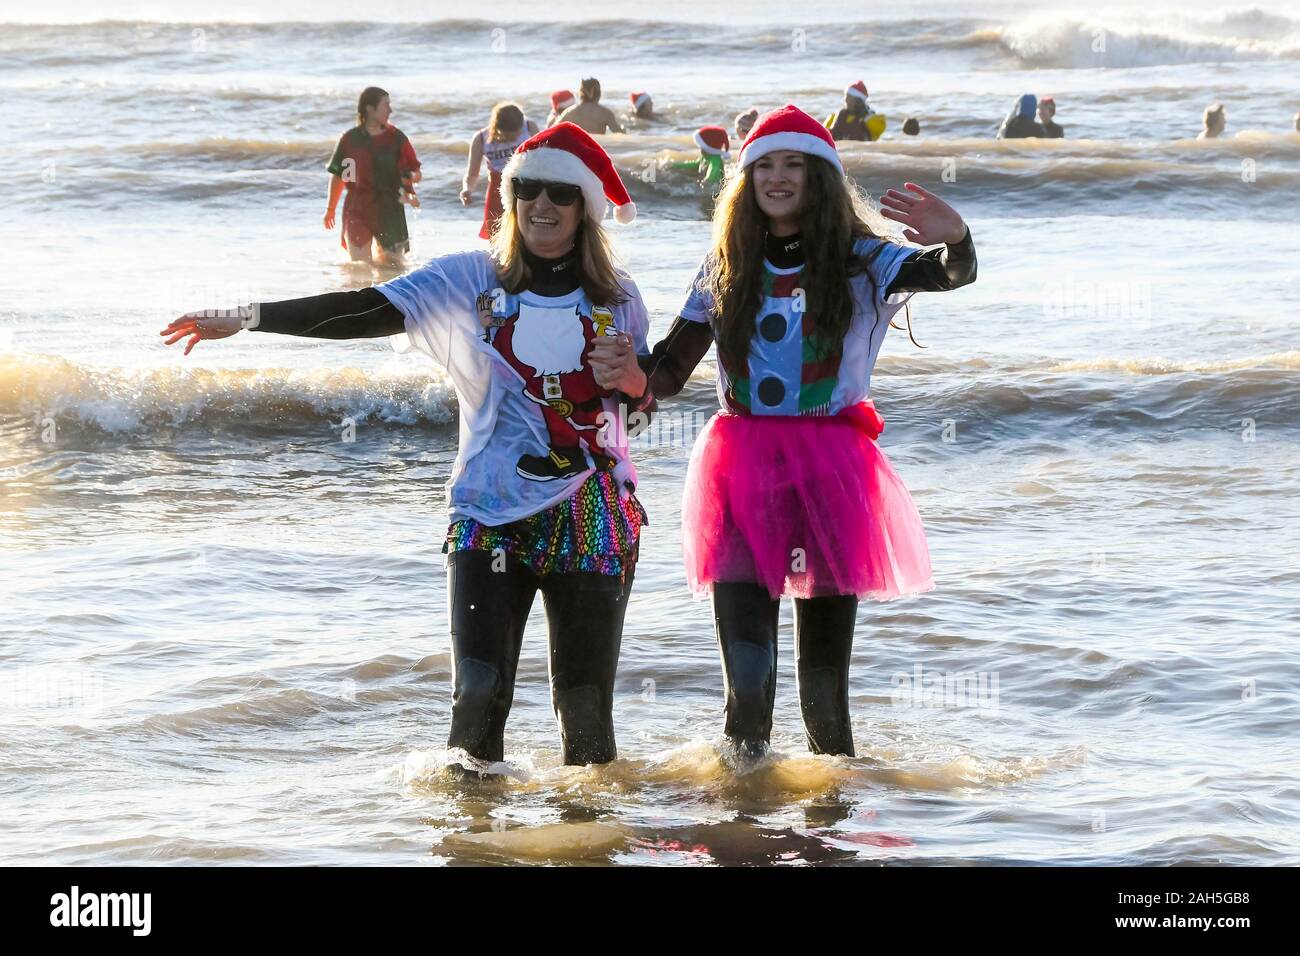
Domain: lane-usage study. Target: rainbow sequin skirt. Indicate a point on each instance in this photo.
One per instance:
(593, 530)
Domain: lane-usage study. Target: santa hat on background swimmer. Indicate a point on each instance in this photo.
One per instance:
(858, 90)
(712, 140)
(561, 100)
(638, 99)
(789, 128)
(565, 153)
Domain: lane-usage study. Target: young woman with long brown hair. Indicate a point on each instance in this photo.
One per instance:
(787, 493)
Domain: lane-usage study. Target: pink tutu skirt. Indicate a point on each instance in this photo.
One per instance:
(807, 506)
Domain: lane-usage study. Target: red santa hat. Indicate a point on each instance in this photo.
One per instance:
(789, 128)
(638, 99)
(712, 140)
(858, 89)
(565, 153)
(561, 100)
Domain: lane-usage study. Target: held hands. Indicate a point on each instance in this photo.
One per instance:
(929, 220)
(613, 362)
(203, 325)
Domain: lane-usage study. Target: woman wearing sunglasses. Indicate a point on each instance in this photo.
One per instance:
(786, 492)
(541, 493)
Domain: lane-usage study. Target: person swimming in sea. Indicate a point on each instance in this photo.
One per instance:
(744, 122)
(588, 113)
(710, 167)
(561, 100)
(1047, 110)
(850, 123)
(642, 109)
(1020, 123)
(1214, 121)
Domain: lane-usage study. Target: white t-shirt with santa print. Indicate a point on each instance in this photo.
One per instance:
(502, 384)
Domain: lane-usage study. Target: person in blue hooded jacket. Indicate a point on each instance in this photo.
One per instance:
(1020, 122)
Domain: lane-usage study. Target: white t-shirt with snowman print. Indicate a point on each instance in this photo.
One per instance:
(792, 370)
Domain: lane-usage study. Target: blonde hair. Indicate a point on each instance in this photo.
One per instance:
(506, 118)
(599, 271)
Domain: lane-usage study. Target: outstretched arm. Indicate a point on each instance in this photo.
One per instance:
(365, 313)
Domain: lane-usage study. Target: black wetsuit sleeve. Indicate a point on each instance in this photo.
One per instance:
(937, 270)
(363, 314)
(671, 362)
(667, 367)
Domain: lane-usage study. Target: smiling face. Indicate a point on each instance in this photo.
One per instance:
(778, 181)
(548, 230)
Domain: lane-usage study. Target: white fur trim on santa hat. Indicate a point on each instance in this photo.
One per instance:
(706, 147)
(854, 91)
(799, 142)
(558, 166)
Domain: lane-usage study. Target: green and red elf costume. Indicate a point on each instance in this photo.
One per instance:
(373, 169)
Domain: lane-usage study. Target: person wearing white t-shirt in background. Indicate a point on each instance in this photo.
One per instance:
(541, 496)
(494, 144)
(786, 492)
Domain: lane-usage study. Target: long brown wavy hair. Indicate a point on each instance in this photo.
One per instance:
(833, 216)
(598, 270)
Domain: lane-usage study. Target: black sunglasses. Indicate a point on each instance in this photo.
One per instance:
(562, 194)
